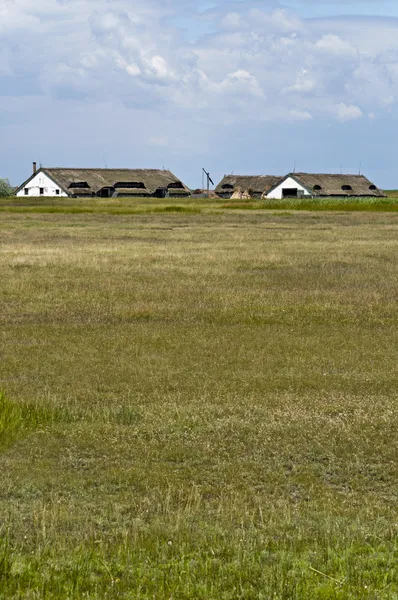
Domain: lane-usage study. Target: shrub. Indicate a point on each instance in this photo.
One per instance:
(5, 188)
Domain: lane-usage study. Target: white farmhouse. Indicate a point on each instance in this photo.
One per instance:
(103, 183)
(41, 184)
(310, 185)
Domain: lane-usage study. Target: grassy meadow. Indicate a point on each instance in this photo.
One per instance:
(197, 402)
(134, 206)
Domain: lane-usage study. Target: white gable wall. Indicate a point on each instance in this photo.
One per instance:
(291, 183)
(41, 180)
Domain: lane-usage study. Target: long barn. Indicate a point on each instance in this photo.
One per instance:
(103, 183)
(296, 185)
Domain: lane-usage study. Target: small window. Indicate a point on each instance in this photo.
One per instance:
(26, 191)
(177, 185)
(79, 185)
(346, 188)
(227, 186)
(41, 191)
(317, 188)
(373, 187)
(57, 192)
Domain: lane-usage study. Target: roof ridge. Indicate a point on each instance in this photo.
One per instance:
(233, 175)
(329, 174)
(104, 169)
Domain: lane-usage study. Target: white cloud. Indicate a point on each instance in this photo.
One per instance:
(305, 83)
(276, 21)
(333, 45)
(346, 112)
(299, 115)
(232, 20)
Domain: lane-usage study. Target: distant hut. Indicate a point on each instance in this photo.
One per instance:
(249, 186)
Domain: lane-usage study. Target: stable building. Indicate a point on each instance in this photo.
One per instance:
(316, 185)
(102, 183)
(240, 187)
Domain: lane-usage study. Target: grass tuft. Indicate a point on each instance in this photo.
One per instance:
(19, 419)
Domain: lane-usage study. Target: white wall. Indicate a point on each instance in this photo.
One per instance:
(288, 183)
(42, 181)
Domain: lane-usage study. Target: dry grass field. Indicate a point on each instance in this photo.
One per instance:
(198, 405)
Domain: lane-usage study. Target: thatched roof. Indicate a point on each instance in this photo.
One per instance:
(152, 179)
(124, 191)
(82, 192)
(258, 184)
(323, 184)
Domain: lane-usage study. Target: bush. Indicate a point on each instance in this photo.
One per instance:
(5, 188)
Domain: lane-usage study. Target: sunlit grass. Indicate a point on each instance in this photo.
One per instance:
(198, 405)
(135, 206)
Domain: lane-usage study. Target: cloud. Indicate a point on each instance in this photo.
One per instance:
(305, 83)
(335, 46)
(266, 59)
(238, 64)
(346, 112)
(299, 115)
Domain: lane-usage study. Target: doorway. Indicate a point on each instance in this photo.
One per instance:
(289, 193)
(106, 192)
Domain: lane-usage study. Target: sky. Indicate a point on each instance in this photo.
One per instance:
(244, 87)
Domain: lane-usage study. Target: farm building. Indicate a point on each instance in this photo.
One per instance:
(299, 185)
(103, 183)
(245, 186)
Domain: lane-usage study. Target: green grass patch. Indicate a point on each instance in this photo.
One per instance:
(391, 193)
(76, 210)
(220, 565)
(137, 206)
(389, 204)
(19, 419)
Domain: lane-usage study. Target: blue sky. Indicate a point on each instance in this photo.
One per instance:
(327, 9)
(253, 86)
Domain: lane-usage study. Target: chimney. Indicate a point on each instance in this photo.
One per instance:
(34, 167)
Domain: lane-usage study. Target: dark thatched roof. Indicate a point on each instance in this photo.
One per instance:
(100, 178)
(323, 184)
(258, 184)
